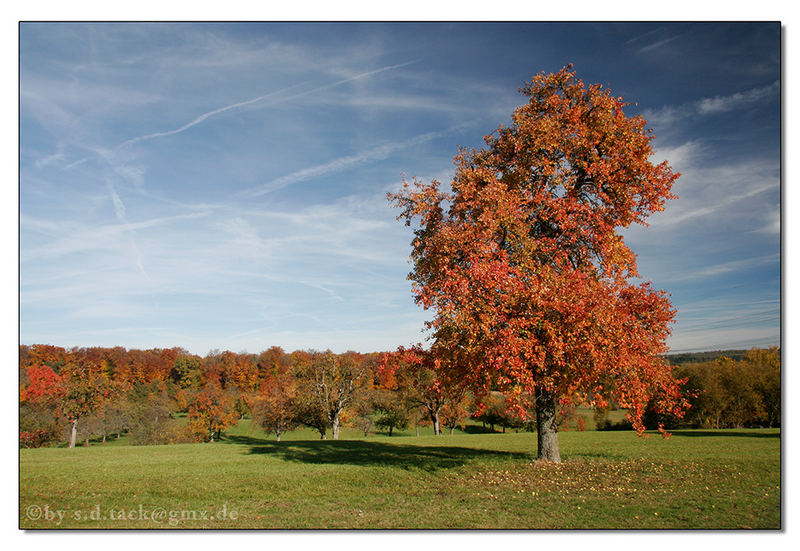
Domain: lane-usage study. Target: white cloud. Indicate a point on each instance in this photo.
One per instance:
(773, 221)
(656, 45)
(721, 104)
(670, 114)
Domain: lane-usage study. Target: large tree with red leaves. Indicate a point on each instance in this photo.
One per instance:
(522, 260)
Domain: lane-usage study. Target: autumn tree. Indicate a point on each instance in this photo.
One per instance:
(418, 379)
(493, 410)
(392, 411)
(330, 381)
(364, 407)
(211, 411)
(40, 391)
(274, 407)
(147, 411)
(766, 363)
(85, 386)
(522, 260)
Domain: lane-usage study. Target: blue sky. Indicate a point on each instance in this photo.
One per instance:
(223, 186)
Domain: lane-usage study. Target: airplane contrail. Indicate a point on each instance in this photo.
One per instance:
(209, 114)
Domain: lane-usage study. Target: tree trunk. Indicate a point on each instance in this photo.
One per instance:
(73, 437)
(278, 435)
(546, 427)
(390, 430)
(335, 424)
(417, 427)
(451, 430)
(436, 428)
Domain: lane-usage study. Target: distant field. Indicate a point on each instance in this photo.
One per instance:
(696, 479)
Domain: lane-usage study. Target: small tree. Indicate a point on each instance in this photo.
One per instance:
(275, 406)
(494, 411)
(457, 408)
(392, 411)
(332, 381)
(416, 376)
(210, 412)
(84, 386)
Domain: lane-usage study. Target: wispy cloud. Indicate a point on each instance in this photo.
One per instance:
(670, 114)
(772, 224)
(203, 117)
(274, 94)
(656, 45)
(337, 165)
(721, 104)
(726, 322)
(119, 212)
(734, 266)
(677, 216)
(86, 238)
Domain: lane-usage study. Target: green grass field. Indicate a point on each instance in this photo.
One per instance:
(724, 479)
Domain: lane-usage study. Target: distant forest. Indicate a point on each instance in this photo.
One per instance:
(708, 356)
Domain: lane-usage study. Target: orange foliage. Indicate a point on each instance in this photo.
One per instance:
(523, 262)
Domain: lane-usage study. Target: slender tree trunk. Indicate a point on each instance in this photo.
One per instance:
(546, 427)
(335, 424)
(73, 437)
(436, 428)
(417, 428)
(451, 430)
(104, 438)
(278, 435)
(390, 430)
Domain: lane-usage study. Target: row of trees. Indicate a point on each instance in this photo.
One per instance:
(83, 393)
(735, 393)
(170, 395)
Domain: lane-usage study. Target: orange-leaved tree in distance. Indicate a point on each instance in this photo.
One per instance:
(522, 261)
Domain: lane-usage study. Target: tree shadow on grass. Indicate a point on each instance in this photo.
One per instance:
(363, 452)
(745, 434)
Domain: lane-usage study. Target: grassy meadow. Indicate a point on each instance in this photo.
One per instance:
(725, 479)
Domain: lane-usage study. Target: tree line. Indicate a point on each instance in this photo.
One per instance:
(160, 396)
(171, 395)
(722, 392)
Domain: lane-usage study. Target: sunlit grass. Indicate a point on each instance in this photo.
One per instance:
(695, 479)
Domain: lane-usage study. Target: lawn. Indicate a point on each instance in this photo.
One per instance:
(695, 479)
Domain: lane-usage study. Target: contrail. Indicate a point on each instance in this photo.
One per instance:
(119, 212)
(205, 116)
(202, 117)
(374, 154)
